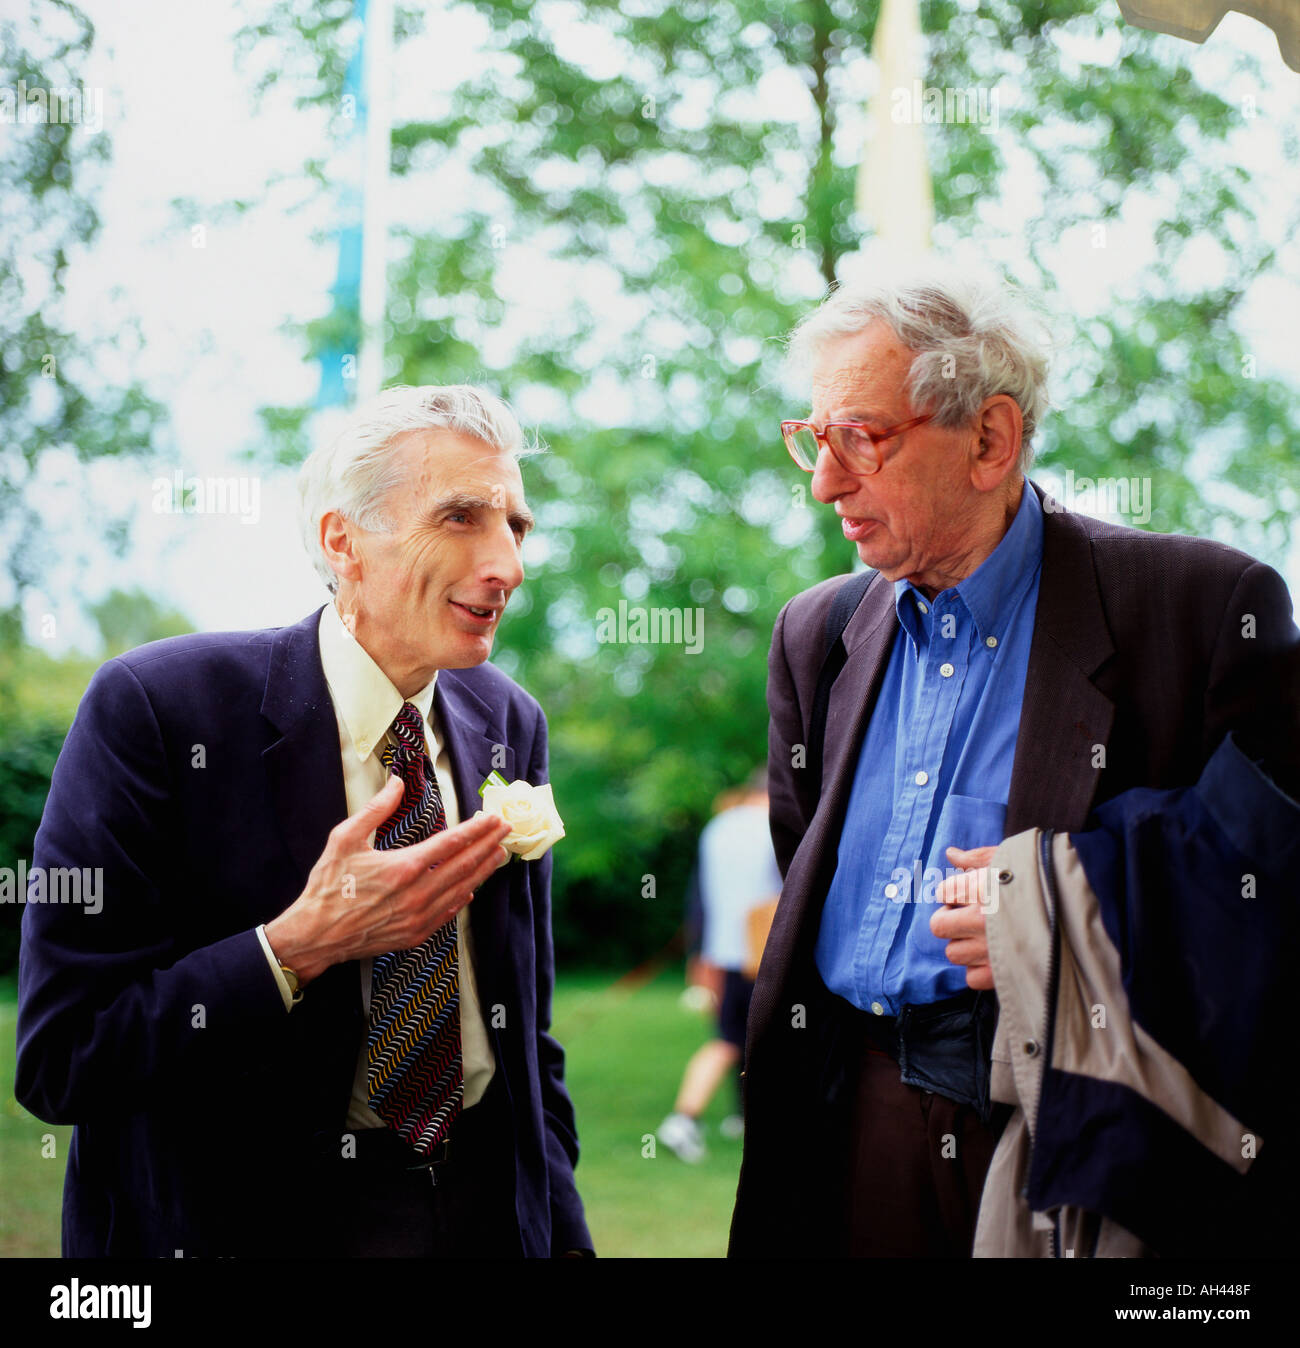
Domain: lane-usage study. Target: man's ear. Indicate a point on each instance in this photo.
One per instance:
(1000, 428)
(340, 544)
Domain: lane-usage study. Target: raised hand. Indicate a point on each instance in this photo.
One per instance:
(360, 901)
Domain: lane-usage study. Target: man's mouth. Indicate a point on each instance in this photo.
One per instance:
(484, 615)
(856, 530)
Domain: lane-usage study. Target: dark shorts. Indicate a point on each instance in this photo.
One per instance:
(734, 1011)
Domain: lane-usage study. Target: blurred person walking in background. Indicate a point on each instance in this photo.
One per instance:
(738, 884)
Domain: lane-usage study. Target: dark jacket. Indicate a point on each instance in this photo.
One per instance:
(1147, 650)
(203, 775)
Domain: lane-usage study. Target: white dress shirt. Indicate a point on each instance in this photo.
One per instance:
(366, 704)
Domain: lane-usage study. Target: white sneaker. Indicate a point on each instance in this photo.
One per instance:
(696, 998)
(732, 1127)
(681, 1135)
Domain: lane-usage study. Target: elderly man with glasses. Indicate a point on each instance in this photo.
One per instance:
(1002, 665)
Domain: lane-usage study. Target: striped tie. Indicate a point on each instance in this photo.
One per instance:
(413, 1042)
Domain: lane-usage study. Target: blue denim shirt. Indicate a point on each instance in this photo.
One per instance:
(934, 772)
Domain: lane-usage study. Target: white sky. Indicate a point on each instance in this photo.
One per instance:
(183, 126)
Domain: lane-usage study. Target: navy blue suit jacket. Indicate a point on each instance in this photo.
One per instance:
(203, 775)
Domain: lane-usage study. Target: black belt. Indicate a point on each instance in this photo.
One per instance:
(381, 1148)
(482, 1128)
(376, 1149)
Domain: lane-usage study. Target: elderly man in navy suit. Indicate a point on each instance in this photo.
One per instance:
(289, 1030)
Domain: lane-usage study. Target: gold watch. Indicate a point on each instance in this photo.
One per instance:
(294, 988)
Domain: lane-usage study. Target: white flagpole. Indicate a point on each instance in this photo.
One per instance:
(374, 232)
(894, 194)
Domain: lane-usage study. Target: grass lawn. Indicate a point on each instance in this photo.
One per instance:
(31, 1184)
(626, 1051)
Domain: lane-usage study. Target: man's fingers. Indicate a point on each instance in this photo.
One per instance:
(485, 867)
(968, 887)
(461, 876)
(960, 922)
(955, 921)
(447, 842)
(970, 858)
(449, 856)
(967, 952)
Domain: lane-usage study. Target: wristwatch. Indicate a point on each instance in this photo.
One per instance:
(294, 988)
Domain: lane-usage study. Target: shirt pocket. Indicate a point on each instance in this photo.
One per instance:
(966, 822)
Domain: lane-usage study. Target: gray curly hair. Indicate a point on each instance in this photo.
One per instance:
(973, 334)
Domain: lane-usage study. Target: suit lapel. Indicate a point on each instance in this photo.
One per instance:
(1065, 719)
(304, 765)
(867, 642)
(305, 776)
(475, 744)
(868, 639)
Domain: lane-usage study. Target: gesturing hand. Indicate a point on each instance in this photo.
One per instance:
(360, 901)
(960, 921)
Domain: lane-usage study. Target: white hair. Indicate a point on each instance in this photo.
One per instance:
(973, 336)
(354, 473)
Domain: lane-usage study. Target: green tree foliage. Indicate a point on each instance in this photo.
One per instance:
(55, 396)
(39, 694)
(27, 759)
(54, 392)
(38, 698)
(129, 618)
(619, 149)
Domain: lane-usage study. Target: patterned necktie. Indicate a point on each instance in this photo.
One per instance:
(413, 1042)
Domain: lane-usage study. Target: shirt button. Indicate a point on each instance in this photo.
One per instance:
(946, 671)
(922, 607)
(990, 642)
(1031, 1048)
(891, 891)
(877, 1009)
(922, 778)
(364, 748)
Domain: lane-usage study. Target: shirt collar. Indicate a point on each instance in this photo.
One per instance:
(364, 697)
(992, 591)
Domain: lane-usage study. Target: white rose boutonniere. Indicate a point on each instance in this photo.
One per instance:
(535, 824)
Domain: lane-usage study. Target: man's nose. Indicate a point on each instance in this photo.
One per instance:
(501, 565)
(830, 481)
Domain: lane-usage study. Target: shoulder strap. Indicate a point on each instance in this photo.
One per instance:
(842, 609)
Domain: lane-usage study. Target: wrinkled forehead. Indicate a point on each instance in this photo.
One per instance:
(862, 372)
(441, 463)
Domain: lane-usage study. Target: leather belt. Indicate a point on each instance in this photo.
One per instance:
(378, 1149)
(474, 1132)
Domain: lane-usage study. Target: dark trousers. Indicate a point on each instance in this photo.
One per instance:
(383, 1203)
(916, 1161)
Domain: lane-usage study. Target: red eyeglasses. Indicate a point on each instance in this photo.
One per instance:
(854, 447)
